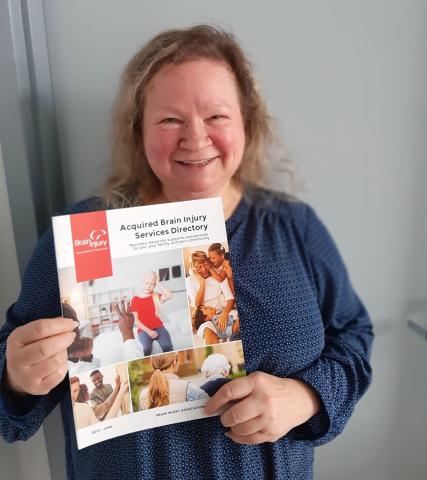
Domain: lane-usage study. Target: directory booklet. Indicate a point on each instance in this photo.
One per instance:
(158, 333)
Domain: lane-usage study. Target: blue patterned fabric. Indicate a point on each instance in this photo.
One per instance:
(300, 318)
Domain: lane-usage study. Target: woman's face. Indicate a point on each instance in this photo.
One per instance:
(202, 268)
(193, 129)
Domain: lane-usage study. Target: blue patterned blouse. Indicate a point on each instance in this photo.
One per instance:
(300, 318)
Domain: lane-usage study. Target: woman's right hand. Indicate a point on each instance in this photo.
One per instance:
(36, 355)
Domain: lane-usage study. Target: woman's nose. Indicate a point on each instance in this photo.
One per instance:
(195, 136)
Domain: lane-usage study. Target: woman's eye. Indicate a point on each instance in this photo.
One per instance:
(170, 120)
(216, 117)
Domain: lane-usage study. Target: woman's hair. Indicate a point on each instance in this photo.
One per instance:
(198, 257)
(198, 318)
(217, 247)
(74, 380)
(83, 395)
(215, 364)
(158, 387)
(132, 181)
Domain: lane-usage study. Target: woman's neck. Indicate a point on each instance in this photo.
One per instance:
(231, 195)
(170, 369)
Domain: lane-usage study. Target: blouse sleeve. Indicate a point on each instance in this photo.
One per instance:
(342, 373)
(21, 417)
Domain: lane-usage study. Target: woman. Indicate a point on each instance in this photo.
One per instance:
(84, 415)
(190, 123)
(145, 307)
(165, 387)
(83, 395)
(203, 289)
(215, 369)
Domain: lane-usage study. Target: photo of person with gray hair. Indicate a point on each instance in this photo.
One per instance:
(216, 369)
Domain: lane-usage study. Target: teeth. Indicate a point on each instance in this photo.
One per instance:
(196, 163)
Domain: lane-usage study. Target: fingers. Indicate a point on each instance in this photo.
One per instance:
(38, 351)
(41, 378)
(51, 381)
(234, 390)
(124, 386)
(253, 439)
(125, 307)
(254, 425)
(128, 308)
(222, 324)
(46, 327)
(50, 365)
(124, 310)
(244, 411)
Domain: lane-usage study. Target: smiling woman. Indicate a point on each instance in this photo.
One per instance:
(189, 122)
(193, 130)
(188, 100)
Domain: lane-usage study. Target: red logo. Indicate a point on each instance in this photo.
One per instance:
(91, 245)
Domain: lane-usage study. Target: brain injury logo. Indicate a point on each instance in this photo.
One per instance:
(96, 235)
(97, 239)
(91, 245)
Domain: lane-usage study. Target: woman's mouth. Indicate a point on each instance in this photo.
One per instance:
(196, 163)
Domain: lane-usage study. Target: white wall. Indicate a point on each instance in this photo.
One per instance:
(345, 80)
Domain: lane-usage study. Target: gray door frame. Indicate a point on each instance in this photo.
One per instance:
(32, 172)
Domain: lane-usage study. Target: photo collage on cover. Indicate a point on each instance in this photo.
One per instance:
(164, 319)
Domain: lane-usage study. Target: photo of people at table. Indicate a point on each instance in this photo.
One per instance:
(100, 395)
(140, 311)
(210, 289)
(184, 376)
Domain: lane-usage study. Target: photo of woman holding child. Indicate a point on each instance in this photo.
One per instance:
(210, 289)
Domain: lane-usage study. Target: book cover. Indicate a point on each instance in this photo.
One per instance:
(159, 332)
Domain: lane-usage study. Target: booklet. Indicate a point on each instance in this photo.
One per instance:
(159, 332)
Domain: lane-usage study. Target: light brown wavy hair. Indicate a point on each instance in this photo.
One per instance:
(199, 256)
(132, 182)
(158, 387)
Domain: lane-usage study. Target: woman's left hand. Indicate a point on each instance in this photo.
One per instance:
(222, 321)
(263, 408)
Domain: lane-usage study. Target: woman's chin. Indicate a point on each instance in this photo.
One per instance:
(196, 190)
